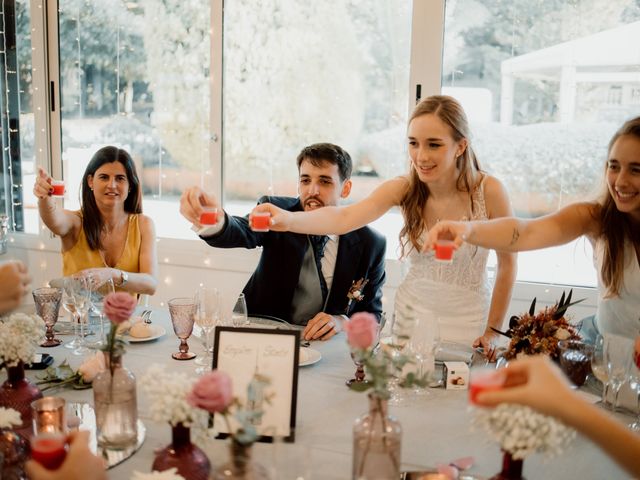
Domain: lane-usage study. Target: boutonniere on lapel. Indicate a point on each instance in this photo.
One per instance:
(355, 292)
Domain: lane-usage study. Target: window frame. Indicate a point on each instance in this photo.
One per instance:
(427, 45)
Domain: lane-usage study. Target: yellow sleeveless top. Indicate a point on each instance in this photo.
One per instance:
(80, 256)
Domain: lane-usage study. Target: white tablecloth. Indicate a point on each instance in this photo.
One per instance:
(436, 428)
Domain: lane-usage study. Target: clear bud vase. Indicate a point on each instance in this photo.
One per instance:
(241, 466)
(377, 443)
(114, 396)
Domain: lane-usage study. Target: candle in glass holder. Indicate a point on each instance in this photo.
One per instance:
(49, 449)
(260, 221)
(444, 251)
(484, 379)
(209, 216)
(57, 188)
(49, 416)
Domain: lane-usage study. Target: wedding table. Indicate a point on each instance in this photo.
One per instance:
(436, 428)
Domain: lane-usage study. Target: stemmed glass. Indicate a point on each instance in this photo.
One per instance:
(359, 375)
(76, 302)
(98, 294)
(208, 310)
(47, 302)
(618, 352)
(239, 316)
(421, 347)
(633, 374)
(401, 328)
(183, 314)
(599, 367)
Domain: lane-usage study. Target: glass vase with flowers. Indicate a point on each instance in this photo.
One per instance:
(114, 389)
(377, 436)
(20, 335)
(213, 393)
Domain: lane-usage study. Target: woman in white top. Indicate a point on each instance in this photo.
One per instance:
(612, 225)
(444, 182)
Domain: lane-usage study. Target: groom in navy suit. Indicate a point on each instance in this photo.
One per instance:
(304, 279)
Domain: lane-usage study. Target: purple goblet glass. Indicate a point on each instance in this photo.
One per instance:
(47, 302)
(183, 314)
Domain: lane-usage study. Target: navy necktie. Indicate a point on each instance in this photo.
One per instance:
(318, 242)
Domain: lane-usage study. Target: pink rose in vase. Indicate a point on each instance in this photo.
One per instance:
(362, 330)
(119, 306)
(213, 392)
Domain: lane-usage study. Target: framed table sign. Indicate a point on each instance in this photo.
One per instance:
(249, 356)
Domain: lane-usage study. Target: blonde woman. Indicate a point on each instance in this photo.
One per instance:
(444, 182)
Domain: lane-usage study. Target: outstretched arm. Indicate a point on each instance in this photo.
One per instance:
(338, 220)
(539, 384)
(63, 223)
(516, 235)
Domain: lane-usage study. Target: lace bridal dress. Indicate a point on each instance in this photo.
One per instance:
(457, 294)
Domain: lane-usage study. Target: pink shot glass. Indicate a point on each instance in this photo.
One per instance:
(57, 188)
(209, 216)
(260, 221)
(444, 251)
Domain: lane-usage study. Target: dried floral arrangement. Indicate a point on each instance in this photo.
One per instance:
(539, 333)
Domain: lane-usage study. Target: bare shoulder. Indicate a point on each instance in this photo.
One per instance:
(146, 223)
(496, 197)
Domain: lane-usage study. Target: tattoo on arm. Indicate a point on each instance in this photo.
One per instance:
(514, 237)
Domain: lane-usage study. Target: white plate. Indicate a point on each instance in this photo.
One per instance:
(156, 332)
(313, 356)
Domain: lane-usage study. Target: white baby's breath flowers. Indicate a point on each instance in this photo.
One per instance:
(171, 474)
(20, 334)
(167, 393)
(9, 418)
(522, 431)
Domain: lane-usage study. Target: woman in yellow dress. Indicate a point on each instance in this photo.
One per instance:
(109, 237)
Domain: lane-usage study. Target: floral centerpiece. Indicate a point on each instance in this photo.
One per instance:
(19, 337)
(521, 431)
(533, 334)
(213, 393)
(377, 436)
(167, 393)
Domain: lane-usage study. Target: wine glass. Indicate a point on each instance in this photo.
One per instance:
(183, 314)
(421, 347)
(76, 302)
(599, 367)
(618, 352)
(239, 315)
(69, 304)
(208, 308)
(633, 375)
(47, 302)
(98, 294)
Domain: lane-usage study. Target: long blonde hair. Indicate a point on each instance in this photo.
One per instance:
(412, 204)
(615, 226)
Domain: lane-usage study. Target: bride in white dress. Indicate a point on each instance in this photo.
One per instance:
(444, 182)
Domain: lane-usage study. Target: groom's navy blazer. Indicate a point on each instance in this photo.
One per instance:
(270, 289)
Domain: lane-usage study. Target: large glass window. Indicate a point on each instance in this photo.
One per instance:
(136, 74)
(297, 73)
(545, 85)
(16, 113)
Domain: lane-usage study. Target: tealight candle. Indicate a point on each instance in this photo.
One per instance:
(260, 221)
(444, 251)
(209, 216)
(48, 415)
(57, 188)
(49, 449)
(484, 380)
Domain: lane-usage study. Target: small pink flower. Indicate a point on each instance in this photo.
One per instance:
(212, 392)
(91, 367)
(361, 330)
(119, 306)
